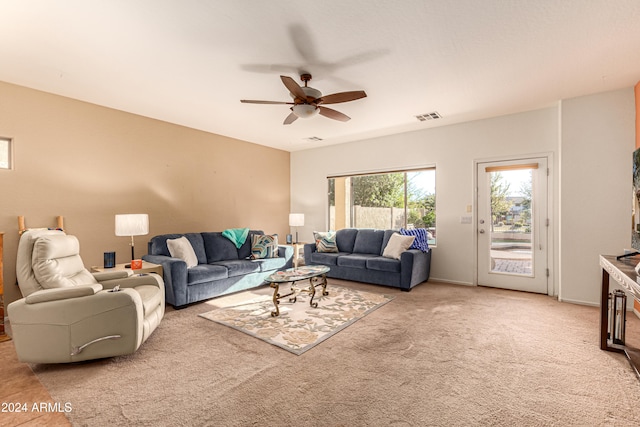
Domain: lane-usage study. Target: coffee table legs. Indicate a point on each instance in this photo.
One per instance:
(276, 297)
(311, 290)
(322, 281)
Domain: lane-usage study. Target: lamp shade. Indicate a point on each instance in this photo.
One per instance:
(296, 219)
(132, 224)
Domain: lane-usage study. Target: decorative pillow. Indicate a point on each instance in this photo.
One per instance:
(181, 248)
(396, 245)
(325, 241)
(264, 246)
(422, 238)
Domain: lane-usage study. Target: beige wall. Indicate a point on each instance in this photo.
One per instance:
(88, 163)
(591, 139)
(452, 150)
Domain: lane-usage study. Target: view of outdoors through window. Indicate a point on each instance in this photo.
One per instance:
(5, 153)
(384, 201)
(511, 221)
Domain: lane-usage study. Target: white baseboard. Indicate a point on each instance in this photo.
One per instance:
(579, 302)
(453, 282)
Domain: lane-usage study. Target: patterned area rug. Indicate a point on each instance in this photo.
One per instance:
(299, 326)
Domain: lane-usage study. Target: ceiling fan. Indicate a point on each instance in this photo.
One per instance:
(307, 100)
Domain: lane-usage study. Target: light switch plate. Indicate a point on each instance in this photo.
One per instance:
(465, 219)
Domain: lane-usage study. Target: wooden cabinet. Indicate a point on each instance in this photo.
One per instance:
(3, 334)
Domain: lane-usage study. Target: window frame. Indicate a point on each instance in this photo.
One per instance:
(9, 152)
(383, 172)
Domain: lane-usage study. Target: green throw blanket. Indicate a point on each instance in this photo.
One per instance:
(237, 235)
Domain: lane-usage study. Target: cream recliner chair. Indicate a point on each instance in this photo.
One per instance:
(69, 314)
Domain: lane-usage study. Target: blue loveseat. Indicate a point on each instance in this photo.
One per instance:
(222, 268)
(359, 258)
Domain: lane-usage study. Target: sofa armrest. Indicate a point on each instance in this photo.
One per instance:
(175, 278)
(62, 293)
(286, 252)
(309, 248)
(414, 268)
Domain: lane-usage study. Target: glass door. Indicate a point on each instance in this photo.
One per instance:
(512, 225)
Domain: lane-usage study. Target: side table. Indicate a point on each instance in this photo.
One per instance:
(296, 251)
(147, 267)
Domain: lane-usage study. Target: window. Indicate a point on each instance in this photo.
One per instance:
(5, 153)
(384, 200)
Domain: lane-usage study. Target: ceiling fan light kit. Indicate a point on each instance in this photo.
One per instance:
(307, 100)
(304, 111)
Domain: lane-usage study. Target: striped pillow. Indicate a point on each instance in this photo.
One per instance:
(325, 242)
(264, 246)
(422, 238)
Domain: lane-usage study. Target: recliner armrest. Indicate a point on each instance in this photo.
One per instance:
(62, 293)
(108, 275)
(133, 281)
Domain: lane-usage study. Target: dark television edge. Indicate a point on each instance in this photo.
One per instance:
(635, 212)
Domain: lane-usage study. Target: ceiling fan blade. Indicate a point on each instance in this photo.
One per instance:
(294, 88)
(336, 98)
(253, 101)
(290, 119)
(333, 114)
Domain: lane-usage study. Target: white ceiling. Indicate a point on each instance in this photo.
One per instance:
(191, 61)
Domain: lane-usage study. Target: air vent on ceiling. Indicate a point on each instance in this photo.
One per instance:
(429, 116)
(313, 138)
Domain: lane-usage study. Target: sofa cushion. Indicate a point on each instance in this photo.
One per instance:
(158, 245)
(381, 263)
(345, 239)
(245, 250)
(325, 241)
(238, 236)
(181, 248)
(355, 260)
(202, 273)
(369, 241)
(239, 267)
(264, 246)
(397, 245)
(325, 258)
(218, 247)
(268, 264)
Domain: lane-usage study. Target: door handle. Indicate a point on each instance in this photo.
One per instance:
(481, 231)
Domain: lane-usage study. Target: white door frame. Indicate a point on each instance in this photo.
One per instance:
(552, 229)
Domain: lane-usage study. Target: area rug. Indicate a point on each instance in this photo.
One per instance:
(299, 327)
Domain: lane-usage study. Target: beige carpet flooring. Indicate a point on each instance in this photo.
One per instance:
(440, 355)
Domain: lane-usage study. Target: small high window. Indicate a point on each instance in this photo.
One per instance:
(5, 153)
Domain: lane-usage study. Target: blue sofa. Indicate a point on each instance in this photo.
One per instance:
(360, 259)
(222, 268)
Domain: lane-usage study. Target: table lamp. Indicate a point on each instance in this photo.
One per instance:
(132, 225)
(296, 220)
